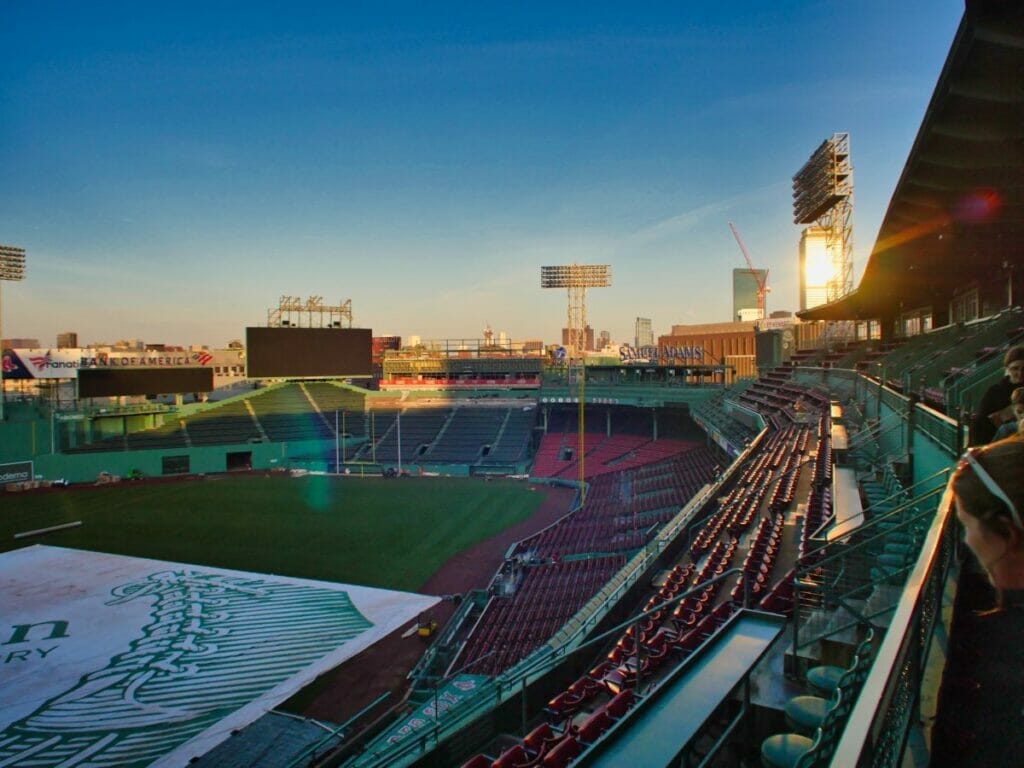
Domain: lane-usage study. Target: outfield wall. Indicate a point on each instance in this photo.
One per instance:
(85, 467)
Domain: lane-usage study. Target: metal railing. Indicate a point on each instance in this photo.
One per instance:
(877, 730)
(845, 573)
(511, 683)
(966, 394)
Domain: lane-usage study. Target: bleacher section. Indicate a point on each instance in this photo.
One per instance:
(513, 442)
(620, 514)
(687, 608)
(465, 435)
(170, 435)
(417, 430)
(495, 435)
(232, 422)
(546, 595)
(930, 363)
(715, 411)
(331, 398)
(286, 414)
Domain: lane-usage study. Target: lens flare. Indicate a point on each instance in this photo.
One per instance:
(978, 207)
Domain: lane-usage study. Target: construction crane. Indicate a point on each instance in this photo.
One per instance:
(762, 282)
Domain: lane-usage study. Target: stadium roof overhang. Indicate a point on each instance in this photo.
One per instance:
(958, 208)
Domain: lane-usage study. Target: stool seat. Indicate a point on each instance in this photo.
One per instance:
(892, 560)
(901, 538)
(825, 679)
(806, 713)
(784, 750)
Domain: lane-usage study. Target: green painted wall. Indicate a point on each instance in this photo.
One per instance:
(929, 457)
(23, 440)
(84, 467)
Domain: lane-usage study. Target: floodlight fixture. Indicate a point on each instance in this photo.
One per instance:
(825, 180)
(311, 312)
(12, 263)
(12, 268)
(576, 276)
(823, 195)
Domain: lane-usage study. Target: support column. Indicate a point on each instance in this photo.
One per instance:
(911, 412)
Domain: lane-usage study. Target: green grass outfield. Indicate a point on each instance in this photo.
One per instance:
(392, 533)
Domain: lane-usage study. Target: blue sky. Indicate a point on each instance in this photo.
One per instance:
(172, 169)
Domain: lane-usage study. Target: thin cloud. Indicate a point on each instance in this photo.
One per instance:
(676, 225)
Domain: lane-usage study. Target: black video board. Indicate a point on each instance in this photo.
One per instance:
(294, 353)
(113, 382)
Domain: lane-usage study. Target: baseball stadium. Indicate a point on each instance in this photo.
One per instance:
(352, 553)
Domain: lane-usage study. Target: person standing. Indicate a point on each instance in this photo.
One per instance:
(980, 720)
(1012, 427)
(995, 409)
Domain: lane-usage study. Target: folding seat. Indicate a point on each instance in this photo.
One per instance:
(562, 706)
(514, 757)
(595, 725)
(562, 753)
(597, 673)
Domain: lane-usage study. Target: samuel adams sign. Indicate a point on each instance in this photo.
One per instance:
(651, 353)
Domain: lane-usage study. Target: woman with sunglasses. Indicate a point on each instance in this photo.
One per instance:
(981, 701)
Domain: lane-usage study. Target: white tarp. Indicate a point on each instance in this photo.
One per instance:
(121, 660)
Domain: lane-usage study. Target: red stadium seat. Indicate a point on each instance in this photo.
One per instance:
(541, 739)
(594, 726)
(563, 753)
(516, 757)
(620, 704)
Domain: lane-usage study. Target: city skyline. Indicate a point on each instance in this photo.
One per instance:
(171, 173)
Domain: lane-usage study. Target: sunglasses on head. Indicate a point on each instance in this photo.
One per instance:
(969, 460)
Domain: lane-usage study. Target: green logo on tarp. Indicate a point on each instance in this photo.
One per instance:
(215, 643)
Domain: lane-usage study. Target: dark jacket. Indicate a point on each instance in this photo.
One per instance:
(995, 399)
(981, 701)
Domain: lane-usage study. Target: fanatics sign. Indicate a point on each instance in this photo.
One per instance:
(65, 363)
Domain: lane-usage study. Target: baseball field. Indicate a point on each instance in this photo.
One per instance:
(391, 533)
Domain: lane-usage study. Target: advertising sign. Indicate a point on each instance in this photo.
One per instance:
(65, 363)
(16, 472)
(41, 363)
(450, 695)
(652, 354)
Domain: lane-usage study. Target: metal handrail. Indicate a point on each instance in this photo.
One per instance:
(867, 731)
(508, 685)
(835, 563)
(876, 431)
(815, 563)
(816, 536)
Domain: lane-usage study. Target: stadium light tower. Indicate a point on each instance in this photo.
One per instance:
(296, 312)
(12, 267)
(576, 278)
(823, 195)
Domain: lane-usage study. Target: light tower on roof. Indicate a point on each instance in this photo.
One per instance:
(12, 267)
(823, 195)
(576, 278)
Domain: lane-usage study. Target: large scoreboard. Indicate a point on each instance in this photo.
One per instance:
(294, 353)
(115, 382)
